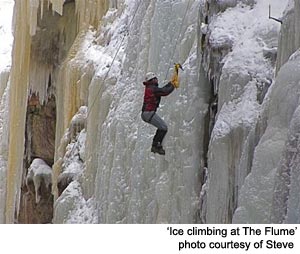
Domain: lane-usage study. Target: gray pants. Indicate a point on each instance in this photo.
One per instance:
(154, 119)
(162, 128)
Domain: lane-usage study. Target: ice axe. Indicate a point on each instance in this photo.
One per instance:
(178, 66)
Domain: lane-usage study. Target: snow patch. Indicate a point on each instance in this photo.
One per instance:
(71, 207)
(242, 79)
(6, 11)
(240, 112)
(39, 172)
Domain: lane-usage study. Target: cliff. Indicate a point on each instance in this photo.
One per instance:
(74, 148)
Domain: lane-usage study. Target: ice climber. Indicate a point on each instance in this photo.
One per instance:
(152, 98)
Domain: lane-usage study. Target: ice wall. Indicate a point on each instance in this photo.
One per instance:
(126, 182)
(240, 52)
(275, 152)
(6, 9)
(42, 41)
(289, 212)
(3, 151)
(17, 106)
(271, 192)
(289, 35)
(104, 171)
(143, 188)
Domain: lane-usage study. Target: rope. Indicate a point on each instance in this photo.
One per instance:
(117, 52)
(179, 34)
(115, 56)
(112, 62)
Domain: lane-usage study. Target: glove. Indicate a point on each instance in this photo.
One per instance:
(175, 80)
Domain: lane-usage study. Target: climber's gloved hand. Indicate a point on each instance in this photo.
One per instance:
(175, 80)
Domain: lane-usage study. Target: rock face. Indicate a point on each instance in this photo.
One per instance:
(40, 129)
(36, 197)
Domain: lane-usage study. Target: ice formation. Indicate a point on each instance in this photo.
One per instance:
(6, 8)
(242, 78)
(141, 186)
(39, 172)
(232, 145)
(71, 153)
(269, 191)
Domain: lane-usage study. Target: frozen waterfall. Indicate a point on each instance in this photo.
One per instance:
(71, 88)
(127, 182)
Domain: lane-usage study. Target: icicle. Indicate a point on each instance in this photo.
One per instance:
(42, 8)
(27, 69)
(3, 81)
(17, 105)
(57, 5)
(39, 79)
(91, 12)
(3, 150)
(32, 11)
(73, 81)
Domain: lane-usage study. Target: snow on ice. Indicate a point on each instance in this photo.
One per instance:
(104, 152)
(6, 11)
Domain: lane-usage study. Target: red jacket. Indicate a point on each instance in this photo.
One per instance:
(153, 93)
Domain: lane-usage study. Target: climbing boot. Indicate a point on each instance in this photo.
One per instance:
(159, 137)
(158, 149)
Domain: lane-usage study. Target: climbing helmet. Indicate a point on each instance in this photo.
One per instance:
(149, 76)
